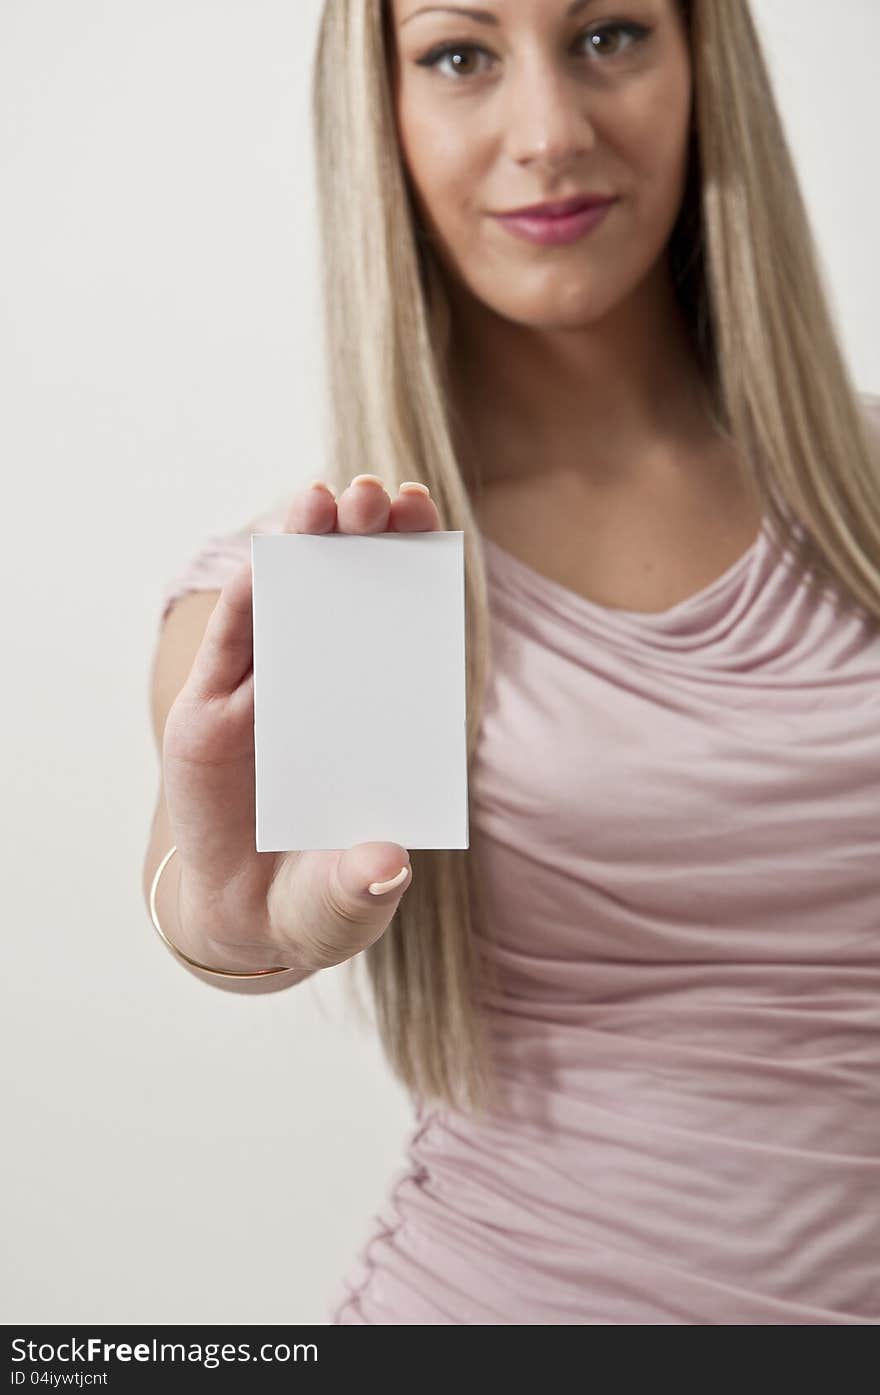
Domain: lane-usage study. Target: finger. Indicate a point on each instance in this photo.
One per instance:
(413, 511)
(364, 506)
(226, 652)
(312, 510)
(336, 914)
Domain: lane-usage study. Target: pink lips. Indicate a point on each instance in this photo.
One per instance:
(555, 229)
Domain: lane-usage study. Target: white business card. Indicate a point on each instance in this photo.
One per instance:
(360, 716)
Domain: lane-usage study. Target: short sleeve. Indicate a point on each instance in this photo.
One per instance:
(218, 557)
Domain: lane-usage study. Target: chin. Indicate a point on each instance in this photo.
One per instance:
(574, 309)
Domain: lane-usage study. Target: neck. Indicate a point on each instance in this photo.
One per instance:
(604, 400)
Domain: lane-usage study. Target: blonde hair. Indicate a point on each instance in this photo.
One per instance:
(746, 270)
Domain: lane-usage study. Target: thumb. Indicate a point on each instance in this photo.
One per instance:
(372, 872)
(361, 893)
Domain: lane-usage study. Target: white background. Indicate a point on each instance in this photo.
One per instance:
(175, 1153)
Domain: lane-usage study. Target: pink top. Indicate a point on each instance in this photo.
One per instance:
(676, 822)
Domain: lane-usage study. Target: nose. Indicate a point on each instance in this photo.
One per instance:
(547, 118)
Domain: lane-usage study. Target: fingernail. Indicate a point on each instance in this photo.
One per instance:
(367, 479)
(320, 484)
(413, 487)
(379, 888)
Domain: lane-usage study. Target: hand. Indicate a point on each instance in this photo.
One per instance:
(306, 910)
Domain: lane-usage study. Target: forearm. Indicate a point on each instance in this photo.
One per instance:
(196, 941)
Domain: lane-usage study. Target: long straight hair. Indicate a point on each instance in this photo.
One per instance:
(746, 271)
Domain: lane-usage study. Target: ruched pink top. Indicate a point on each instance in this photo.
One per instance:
(676, 818)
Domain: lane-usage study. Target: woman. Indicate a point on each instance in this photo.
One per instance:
(638, 1017)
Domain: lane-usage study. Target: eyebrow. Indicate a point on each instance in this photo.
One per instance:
(485, 16)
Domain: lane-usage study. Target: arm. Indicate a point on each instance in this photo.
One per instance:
(179, 640)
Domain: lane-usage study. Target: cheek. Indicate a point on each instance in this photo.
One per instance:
(657, 145)
(440, 163)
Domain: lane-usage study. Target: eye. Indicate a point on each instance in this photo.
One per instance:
(635, 33)
(434, 57)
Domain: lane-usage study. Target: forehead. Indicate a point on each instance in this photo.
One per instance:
(496, 13)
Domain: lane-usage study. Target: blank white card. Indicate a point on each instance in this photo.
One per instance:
(360, 715)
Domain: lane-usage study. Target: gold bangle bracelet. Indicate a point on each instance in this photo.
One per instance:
(205, 968)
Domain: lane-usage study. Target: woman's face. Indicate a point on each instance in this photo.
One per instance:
(521, 102)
